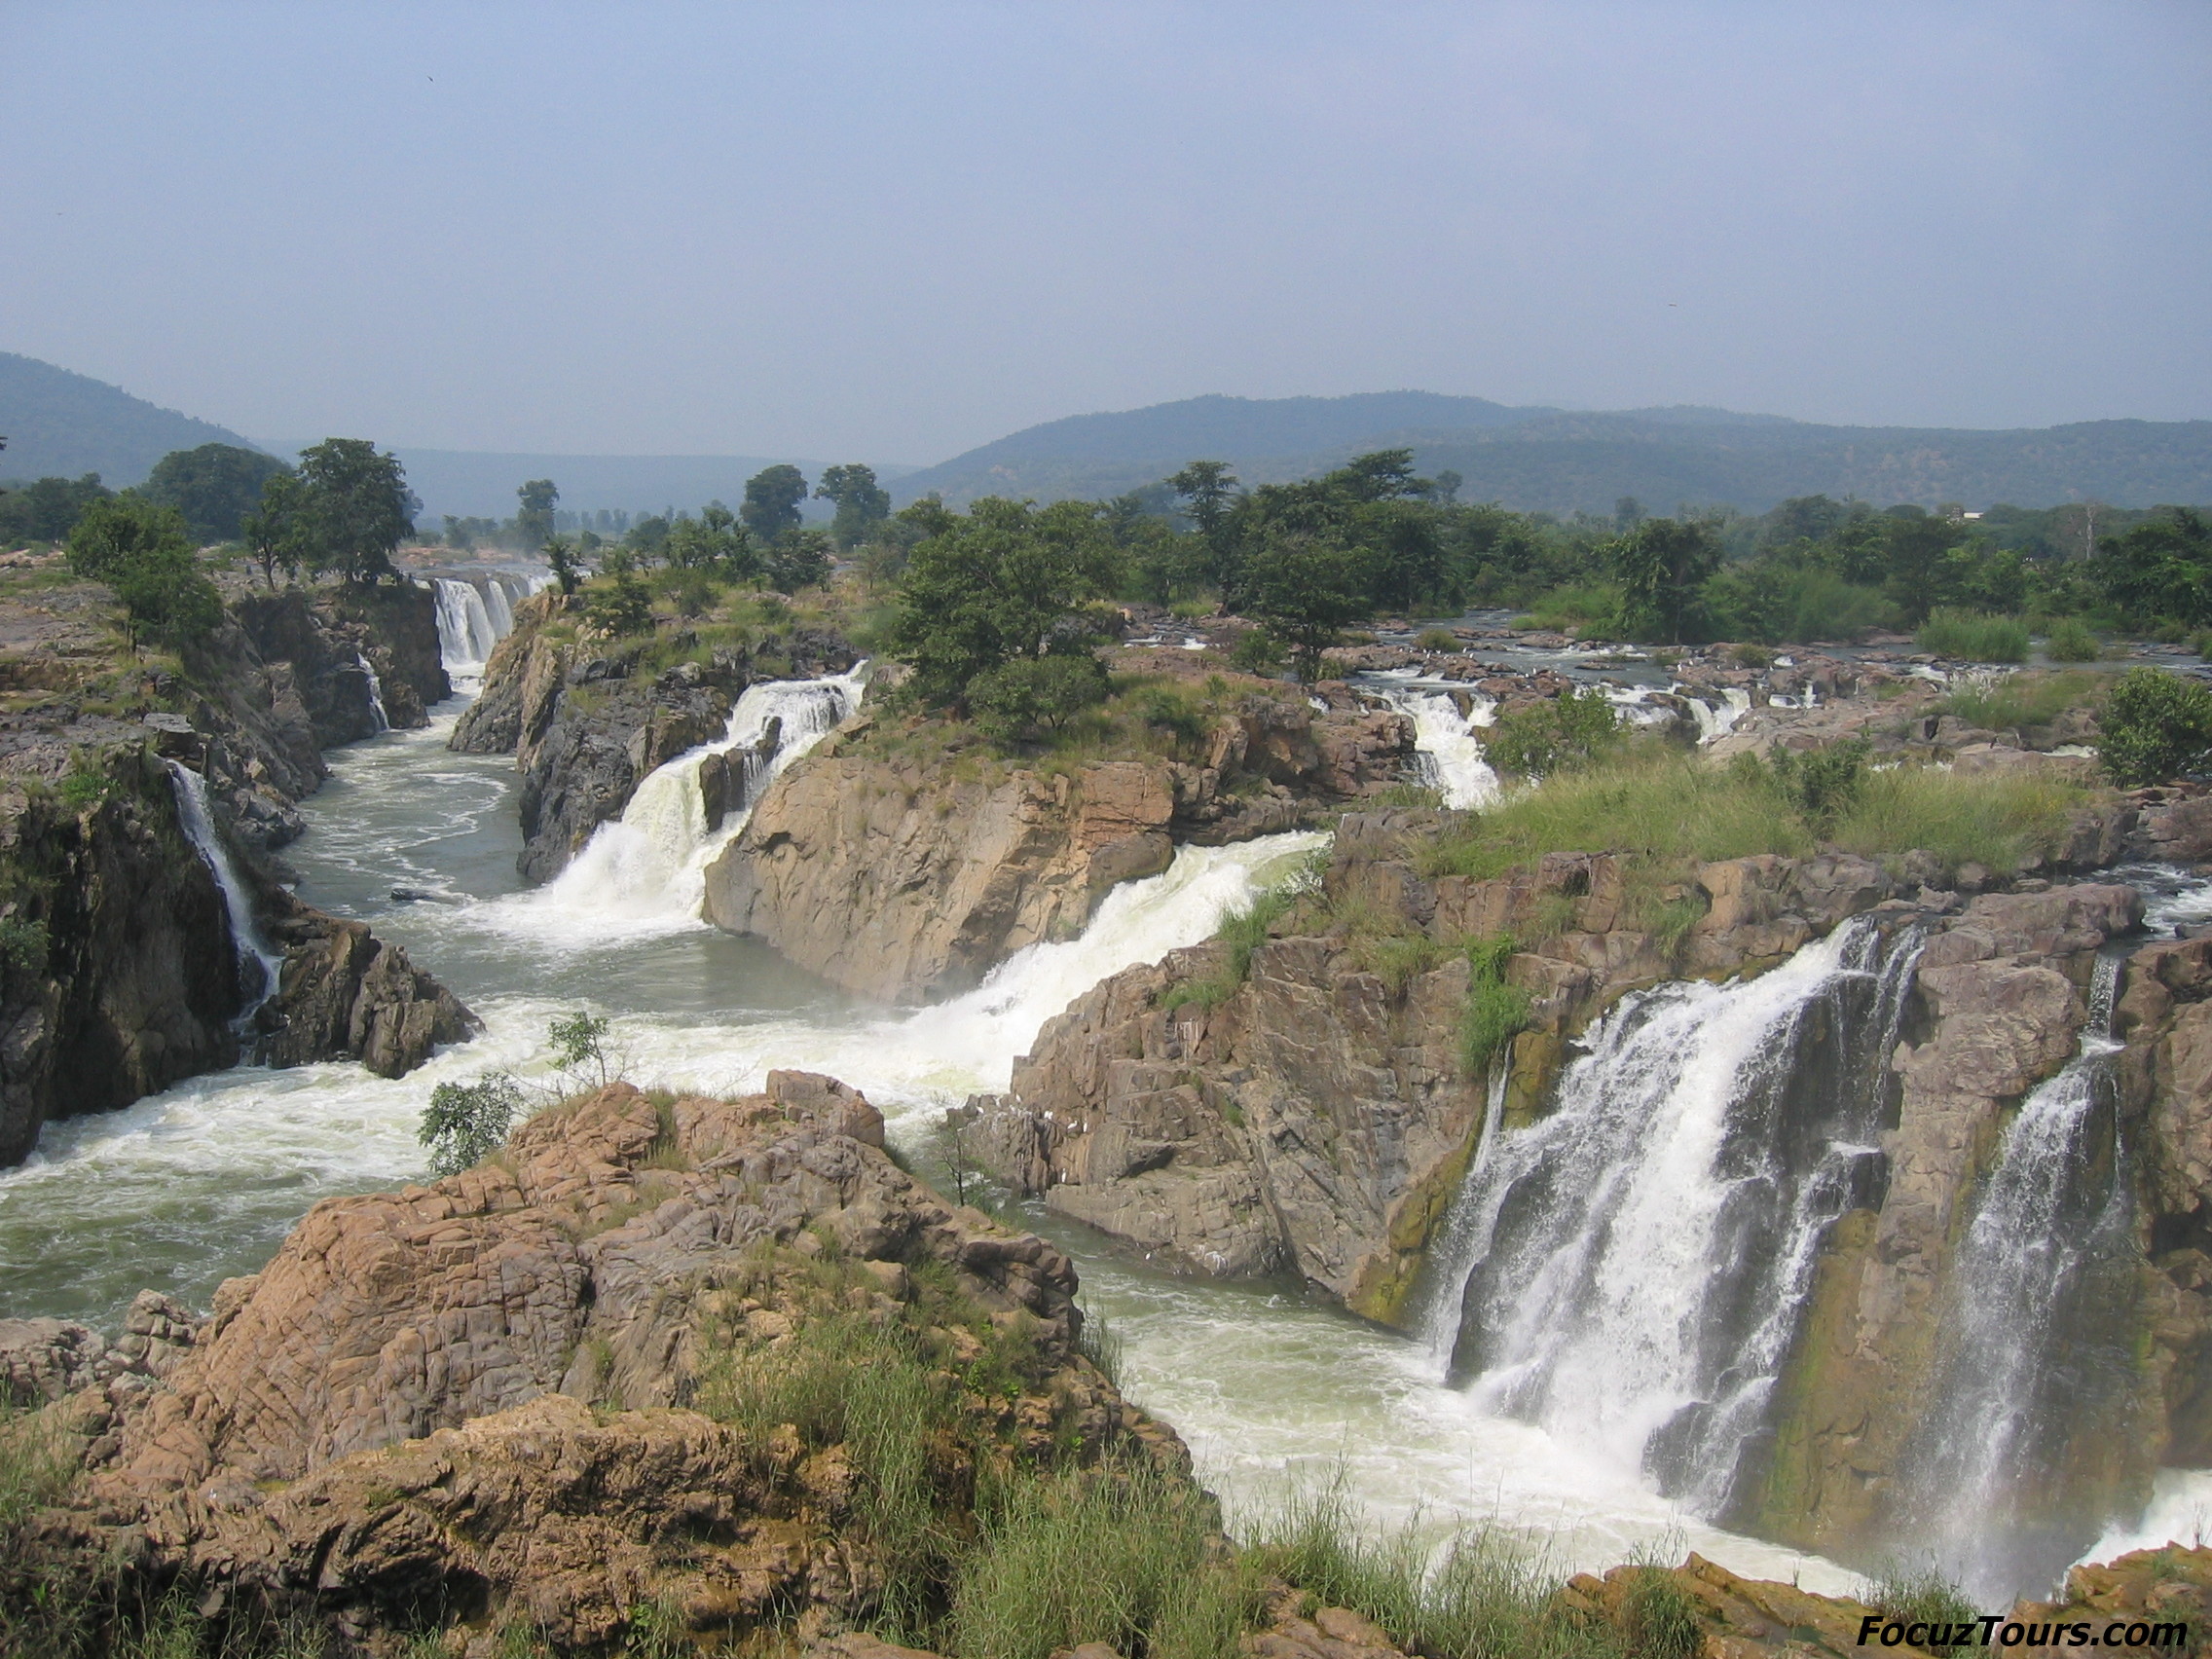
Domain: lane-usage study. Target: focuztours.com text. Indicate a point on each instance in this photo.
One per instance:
(1993, 1629)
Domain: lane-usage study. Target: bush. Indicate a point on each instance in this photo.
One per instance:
(1818, 783)
(1973, 636)
(1566, 732)
(1594, 610)
(1013, 699)
(1438, 640)
(467, 1123)
(622, 607)
(2156, 726)
(2070, 641)
(1258, 651)
(579, 1040)
(1495, 1010)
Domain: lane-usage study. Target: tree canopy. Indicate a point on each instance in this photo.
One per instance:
(46, 509)
(863, 506)
(773, 498)
(533, 512)
(358, 508)
(214, 487)
(140, 550)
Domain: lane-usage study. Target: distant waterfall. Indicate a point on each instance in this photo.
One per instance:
(376, 691)
(1451, 755)
(466, 630)
(652, 863)
(1636, 1262)
(2037, 1363)
(1717, 720)
(259, 967)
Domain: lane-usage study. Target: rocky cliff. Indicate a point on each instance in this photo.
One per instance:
(569, 1386)
(587, 720)
(908, 876)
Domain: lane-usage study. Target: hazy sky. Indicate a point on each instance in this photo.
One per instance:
(891, 232)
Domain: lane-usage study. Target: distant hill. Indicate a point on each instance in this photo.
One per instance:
(482, 483)
(64, 424)
(1547, 460)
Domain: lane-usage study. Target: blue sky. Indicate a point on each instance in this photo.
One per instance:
(892, 232)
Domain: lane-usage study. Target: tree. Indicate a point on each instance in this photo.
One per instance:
(47, 510)
(1211, 488)
(2161, 569)
(799, 560)
(772, 501)
(533, 516)
(2156, 726)
(141, 552)
(275, 531)
(862, 505)
(560, 553)
(1002, 581)
(358, 508)
(1305, 587)
(467, 1123)
(1029, 691)
(1662, 565)
(650, 536)
(579, 1040)
(214, 487)
(715, 542)
(622, 607)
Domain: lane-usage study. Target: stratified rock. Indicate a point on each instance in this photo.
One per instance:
(345, 994)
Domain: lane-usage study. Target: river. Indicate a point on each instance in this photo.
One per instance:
(1266, 1384)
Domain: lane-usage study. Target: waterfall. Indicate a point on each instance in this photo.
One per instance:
(649, 866)
(259, 967)
(466, 629)
(1451, 755)
(1637, 1260)
(2036, 1369)
(1718, 722)
(376, 692)
(1461, 1234)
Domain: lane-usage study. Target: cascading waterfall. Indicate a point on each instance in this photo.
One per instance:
(1451, 755)
(259, 967)
(2036, 1374)
(376, 691)
(1637, 1260)
(649, 866)
(1718, 722)
(466, 629)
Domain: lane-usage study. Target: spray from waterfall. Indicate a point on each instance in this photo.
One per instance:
(258, 966)
(1638, 1261)
(647, 868)
(2037, 1378)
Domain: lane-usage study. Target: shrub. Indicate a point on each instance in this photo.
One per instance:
(1258, 651)
(2070, 641)
(1558, 735)
(1973, 636)
(1820, 783)
(1594, 610)
(22, 945)
(1495, 1010)
(579, 1040)
(2156, 726)
(1015, 697)
(1438, 640)
(465, 1123)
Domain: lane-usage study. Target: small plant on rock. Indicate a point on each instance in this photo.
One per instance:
(468, 1122)
(579, 1044)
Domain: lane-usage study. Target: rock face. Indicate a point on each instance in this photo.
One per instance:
(903, 881)
(510, 1389)
(316, 647)
(1319, 1118)
(344, 994)
(587, 724)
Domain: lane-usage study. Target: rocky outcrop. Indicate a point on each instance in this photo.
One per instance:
(903, 878)
(330, 653)
(1318, 1117)
(530, 1387)
(345, 994)
(587, 722)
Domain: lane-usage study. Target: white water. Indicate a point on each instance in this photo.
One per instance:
(258, 965)
(2005, 1414)
(1451, 755)
(1637, 1258)
(646, 871)
(376, 692)
(467, 631)
(1718, 722)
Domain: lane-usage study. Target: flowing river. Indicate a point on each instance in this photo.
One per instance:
(1269, 1387)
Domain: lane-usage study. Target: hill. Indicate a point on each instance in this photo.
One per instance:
(1547, 460)
(481, 483)
(64, 424)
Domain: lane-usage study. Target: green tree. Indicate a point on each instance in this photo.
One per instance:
(214, 487)
(275, 531)
(533, 512)
(863, 506)
(1010, 699)
(579, 1044)
(1305, 586)
(624, 606)
(2161, 569)
(772, 501)
(715, 542)
(465, 1123)
(358, 508)
(648, 536)
(560, 553)
(2156, 726)
(1005, 581)
(48, 510)
(1554, 736)
(1211, 488)
(140, 550)
(799, 560)
(1662, 565)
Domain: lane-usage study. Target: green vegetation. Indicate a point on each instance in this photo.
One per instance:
(465, 1123)
(2161, 571)
(48, 509)
(1973, 637)
(1495, 1011)
(772, 499)
(1923, 1596)
(2070, 640)
(2156, 726)
(141, 552)
(355, 511)
(214, 487)
(1556, 735)
(1014, 699)
(2018, 702)
(863, 506)
(579, 1045)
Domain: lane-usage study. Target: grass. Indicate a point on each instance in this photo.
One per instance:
(1245, 930)
(1593, 608)
(2017, 701)
(1909, 1596)
(1437, 640)
(2070, 641)
(1973, 636)
(1495, 1010)
(1995, 819)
